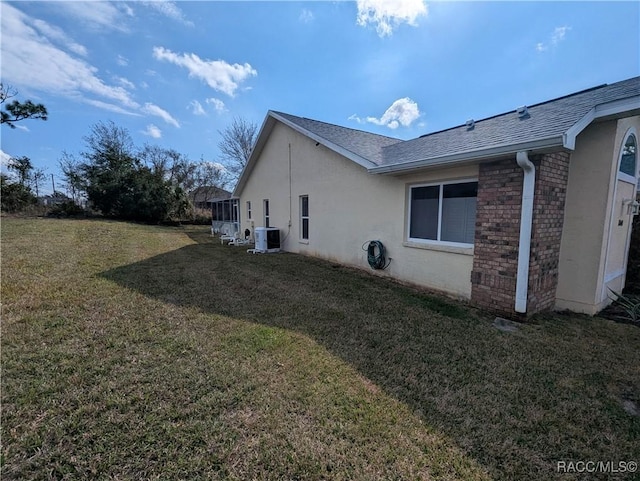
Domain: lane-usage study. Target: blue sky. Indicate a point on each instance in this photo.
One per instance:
(176, 73)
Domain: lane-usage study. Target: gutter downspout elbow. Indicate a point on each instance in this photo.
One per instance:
(526, 221)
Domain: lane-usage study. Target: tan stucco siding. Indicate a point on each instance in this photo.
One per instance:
(592, 175)
(348, 207)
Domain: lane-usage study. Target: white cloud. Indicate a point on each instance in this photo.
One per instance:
(25, 51)
(28, 47)
(306, 16)
(215, 166)
(101, 15)
(4, 160)
(122, 61)
(557, 36)
(217, 104)
(218, 74)
(388, 14)
(125, 83)
(403, 112)
(108, 106)
(58, 35)
(152, 109)
(196, 108)
(23, 127)
(153, 131)
(168, 9)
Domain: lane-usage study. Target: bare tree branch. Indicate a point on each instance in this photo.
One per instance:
(236, 145)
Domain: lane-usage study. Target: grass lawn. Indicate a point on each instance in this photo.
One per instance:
(139, 352)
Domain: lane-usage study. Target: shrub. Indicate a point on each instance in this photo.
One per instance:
(66, 209)
(626, 307)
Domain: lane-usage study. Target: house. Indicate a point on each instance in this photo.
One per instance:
(519, 213)
(204, 197)
(224, 208)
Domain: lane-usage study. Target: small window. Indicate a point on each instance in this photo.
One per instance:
(443, 212)
(304, 217)
(629, 156)
(266, 213)
(248, 209)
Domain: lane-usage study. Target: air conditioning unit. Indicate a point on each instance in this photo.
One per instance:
(267, 239)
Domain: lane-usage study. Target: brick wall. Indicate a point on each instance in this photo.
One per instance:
(495, 265)
(552, 174)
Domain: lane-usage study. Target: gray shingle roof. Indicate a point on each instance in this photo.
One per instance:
(547, 120)
(364, 144)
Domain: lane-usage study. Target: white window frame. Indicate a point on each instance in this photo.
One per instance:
(248, 210)
(441, 184)
(266, 210)
(623, 175)
(303, 218)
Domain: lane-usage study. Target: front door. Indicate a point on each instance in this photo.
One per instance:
(624, 208)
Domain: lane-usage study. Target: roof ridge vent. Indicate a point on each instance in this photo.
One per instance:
(522, 111)
(470, 123)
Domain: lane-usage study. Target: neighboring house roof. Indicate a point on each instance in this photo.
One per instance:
(552, 124)
(209, 194)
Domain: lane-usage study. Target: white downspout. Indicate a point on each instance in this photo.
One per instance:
(526, 220)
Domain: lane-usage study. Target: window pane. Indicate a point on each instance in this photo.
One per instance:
(226, 212)
(424, 212)
(305, 228)
(459, 212)
(466, 189)
(628, 161)
(305, 206)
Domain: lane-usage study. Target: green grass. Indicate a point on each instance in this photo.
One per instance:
(138, 352)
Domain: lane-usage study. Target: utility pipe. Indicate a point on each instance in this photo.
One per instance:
(526, 221)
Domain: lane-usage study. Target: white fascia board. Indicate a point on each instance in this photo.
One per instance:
(367, 164)
(468, 156)
(617, 107)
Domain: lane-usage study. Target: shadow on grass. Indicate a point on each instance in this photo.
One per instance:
(516, 402)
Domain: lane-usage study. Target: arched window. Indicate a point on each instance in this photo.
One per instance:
(629, 156)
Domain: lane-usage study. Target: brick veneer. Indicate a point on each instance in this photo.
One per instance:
(495, 263)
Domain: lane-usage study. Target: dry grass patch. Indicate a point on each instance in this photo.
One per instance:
(135, 352)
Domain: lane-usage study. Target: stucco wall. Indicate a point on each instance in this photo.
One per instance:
(348, 207)
(590, 191)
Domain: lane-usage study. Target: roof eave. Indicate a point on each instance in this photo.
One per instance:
(628, 106)
(473, 156)
(327, 143)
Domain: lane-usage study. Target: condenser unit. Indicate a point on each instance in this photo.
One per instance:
(267, 239)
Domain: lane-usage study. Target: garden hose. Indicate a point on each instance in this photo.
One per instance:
(376, 254)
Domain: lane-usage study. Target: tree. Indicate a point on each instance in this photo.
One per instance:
(16, 110)
(108, 168)
(71, 170)
(22, 167)
(236, 145)
(117, 181)
(207, 179)
(16, 195)
(37, 178)
(169, 165)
